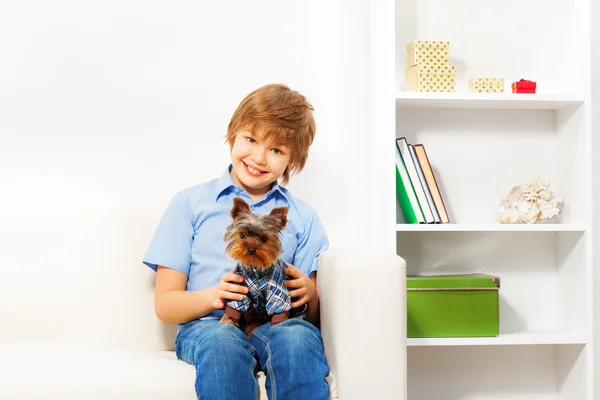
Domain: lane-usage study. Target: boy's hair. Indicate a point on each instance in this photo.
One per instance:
(283, 115)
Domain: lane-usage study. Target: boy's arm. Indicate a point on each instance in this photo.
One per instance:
(303, 290)
(312, 242)
(174, 305)
(313, 315)
(169, 254)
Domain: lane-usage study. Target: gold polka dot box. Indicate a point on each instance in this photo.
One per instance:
(428, 67)
(483, 84)
(421, 78)
(431, 53)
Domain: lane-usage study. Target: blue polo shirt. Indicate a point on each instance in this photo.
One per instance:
(189, 236)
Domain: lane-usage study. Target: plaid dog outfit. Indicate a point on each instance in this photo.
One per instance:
(267, 292)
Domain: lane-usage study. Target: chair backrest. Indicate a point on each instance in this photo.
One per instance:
(79, 280)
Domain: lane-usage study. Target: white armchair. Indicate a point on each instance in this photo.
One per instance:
(363, 322)
(363, 325)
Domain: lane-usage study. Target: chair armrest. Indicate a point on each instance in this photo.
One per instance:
(362, 296)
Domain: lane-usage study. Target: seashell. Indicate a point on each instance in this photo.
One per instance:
(529, 203)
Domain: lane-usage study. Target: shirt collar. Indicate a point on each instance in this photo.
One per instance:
(225, 182)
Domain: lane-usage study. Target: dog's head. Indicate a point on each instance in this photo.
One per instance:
(253, 239)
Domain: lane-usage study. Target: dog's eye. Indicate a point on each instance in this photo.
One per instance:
(243, 235)
(263, 239)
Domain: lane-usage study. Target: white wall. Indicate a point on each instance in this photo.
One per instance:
(595, 46)
(108, 108)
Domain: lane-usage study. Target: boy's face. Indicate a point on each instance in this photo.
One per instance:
(257, 163)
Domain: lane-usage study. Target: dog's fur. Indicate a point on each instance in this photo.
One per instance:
(253, 241)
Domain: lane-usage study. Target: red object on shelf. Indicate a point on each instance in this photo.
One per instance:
(523, 86)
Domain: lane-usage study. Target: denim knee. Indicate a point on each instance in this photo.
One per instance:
(294, 336)
(225, 360)
(292, 356)
(211, 341)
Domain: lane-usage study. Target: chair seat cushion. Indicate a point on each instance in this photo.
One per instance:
(32, 371)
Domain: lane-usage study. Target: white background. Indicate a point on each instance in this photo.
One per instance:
(107, 109)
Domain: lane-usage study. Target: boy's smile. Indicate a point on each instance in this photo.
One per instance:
(254, 171)
(257, 163)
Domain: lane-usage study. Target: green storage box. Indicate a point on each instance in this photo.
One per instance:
(452, 305)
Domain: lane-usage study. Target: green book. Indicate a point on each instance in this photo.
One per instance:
(405, 193)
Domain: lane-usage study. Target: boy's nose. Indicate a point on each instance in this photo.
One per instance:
(260, 157)
(251, 250)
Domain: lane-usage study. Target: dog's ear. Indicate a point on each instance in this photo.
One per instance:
(239, 207)
(280, 215)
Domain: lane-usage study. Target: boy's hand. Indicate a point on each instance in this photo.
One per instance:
(227, 289)
(302, 287)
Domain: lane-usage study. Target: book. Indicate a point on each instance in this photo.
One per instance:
(405, 193)
(434, 211)
(402, 144)
(431, 182)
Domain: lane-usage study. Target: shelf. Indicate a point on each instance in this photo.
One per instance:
(490, 228)
(498, 101)
(480, 146)
(503, 339)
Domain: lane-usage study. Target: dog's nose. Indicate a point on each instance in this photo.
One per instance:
(251, 251)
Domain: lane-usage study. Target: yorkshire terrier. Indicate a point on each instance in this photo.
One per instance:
(253, 242)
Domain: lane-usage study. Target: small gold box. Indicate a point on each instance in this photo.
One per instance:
(428, 52)
(421, 78)
(486, 85)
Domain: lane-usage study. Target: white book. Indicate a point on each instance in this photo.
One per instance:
(414, 178)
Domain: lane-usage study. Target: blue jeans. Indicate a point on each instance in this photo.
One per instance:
(291, 354)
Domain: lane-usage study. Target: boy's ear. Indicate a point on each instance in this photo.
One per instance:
(280, 215)
(239, 207)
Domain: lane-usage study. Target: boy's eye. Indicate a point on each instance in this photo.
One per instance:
(251, 140)
(277, 151)
(242, 235)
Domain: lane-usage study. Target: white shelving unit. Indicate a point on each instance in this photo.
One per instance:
(491, 227)
(480, 146)
(503, 339)
(493, 101)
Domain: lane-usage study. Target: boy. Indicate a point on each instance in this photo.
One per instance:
(269, 136)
